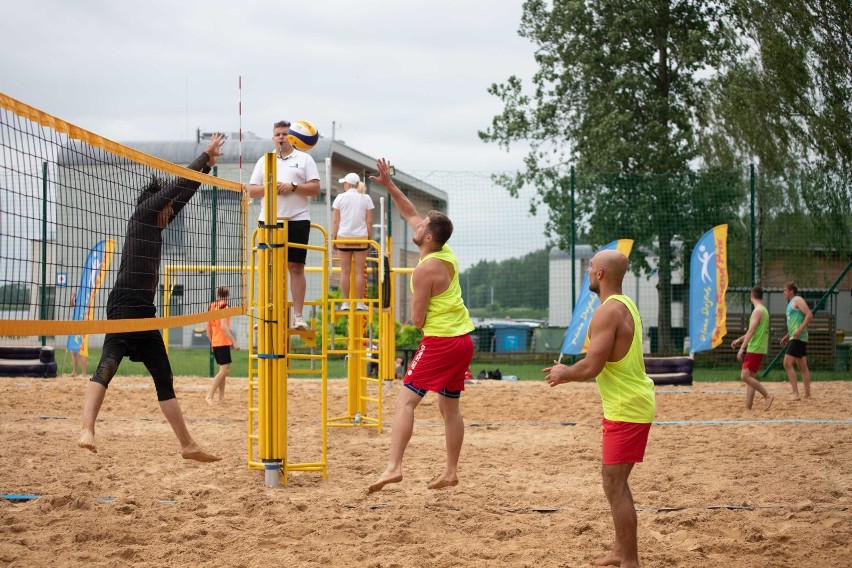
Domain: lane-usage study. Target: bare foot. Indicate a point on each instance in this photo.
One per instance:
(609, 559)
(807, 395)
(384, 480)
(196, 453)
(767, 403)
(795, 397)
(442, 481)
(208, 400)
(87, 440)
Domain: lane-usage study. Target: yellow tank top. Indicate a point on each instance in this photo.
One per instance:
(446, 315)
(627, 392)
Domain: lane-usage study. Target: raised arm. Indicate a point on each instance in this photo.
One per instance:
(182, 191)
(405, 206)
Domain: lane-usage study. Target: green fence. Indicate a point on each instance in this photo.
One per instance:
(524, 257)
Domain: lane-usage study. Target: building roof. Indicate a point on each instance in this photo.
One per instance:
(183, 152)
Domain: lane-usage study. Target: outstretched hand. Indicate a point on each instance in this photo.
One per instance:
(214, 149)
(384, 177)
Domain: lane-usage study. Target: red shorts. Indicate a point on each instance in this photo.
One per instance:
(624, 442)
(752, 361)
(440, 364)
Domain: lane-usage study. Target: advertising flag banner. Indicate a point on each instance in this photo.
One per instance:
(94, 272)
(708, 282)
(576, 338)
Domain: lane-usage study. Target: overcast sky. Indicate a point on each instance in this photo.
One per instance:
(407, 80)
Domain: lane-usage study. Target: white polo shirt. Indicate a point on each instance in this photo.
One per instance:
(297, 167)
(353, 208)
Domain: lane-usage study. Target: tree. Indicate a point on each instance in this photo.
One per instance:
(786, 104)
(514, 283)
(618, 90)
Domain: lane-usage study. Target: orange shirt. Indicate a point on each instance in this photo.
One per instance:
(218, 337)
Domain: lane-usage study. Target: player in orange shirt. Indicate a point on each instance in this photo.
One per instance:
(221, 341)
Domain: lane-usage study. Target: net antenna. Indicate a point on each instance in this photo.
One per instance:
(240, 124)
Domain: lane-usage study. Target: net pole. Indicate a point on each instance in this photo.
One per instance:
(213, 258)
(43, 247)
(246, 202)
(328, 208)
(754, 277)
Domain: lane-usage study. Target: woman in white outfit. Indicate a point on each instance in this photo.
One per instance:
(353, 218)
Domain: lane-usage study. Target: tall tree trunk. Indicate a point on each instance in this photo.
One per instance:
(664, 293)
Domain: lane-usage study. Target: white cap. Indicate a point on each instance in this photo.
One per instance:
(350, 178)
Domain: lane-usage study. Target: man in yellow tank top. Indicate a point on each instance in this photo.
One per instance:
(755, 344)
(446, 349)
(614, 359)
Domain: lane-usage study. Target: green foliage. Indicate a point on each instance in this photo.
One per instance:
(786, 104)
(490, 288)
(788, 100)
(408, 337)
(618, 90)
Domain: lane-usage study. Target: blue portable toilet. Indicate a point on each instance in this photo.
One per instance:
(511, 337)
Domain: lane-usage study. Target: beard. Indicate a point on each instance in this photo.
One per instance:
(417, 241)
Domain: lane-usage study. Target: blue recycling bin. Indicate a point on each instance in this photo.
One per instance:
(508, 338)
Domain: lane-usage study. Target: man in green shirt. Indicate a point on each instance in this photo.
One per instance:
(799, 315)
(755, 344)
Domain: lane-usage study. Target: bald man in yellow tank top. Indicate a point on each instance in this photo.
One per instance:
(614, 359)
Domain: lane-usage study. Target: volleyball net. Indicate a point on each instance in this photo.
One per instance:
(66, 198)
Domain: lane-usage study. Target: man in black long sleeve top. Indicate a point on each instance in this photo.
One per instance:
(133, 296)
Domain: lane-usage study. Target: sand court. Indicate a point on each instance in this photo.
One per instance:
(720, 485)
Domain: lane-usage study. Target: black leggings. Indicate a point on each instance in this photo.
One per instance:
(144, 346)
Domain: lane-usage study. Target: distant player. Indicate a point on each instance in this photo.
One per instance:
(221, 341)
(80, 357)
(799, 315)
(755, 344)
(132, 297)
